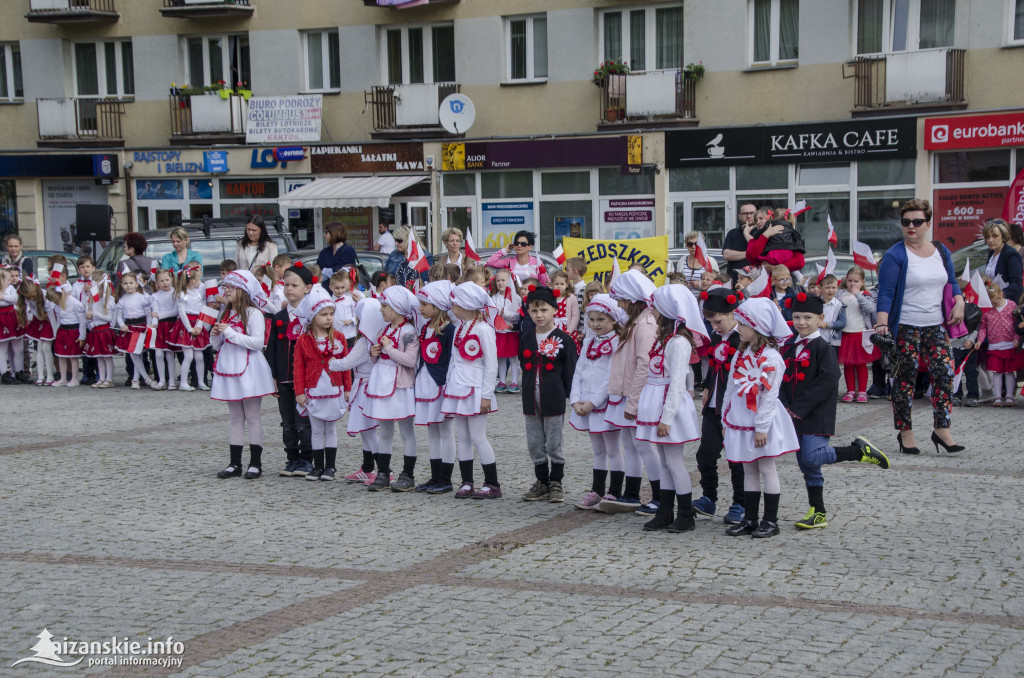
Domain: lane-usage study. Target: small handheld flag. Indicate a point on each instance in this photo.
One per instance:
(833, 239)
(471, 247)
(863, 256)
(559, 255)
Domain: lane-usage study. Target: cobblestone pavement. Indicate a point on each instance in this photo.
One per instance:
(115, 525)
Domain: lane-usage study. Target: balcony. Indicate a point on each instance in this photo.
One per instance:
(204, 9)
(408, 111)
(80, 123)
(652, 99)
(923, 81)
(72, 11)
(398, 4)
(208, 118)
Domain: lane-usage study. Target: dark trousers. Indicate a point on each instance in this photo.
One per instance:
(294, 428)
(90, 368)
(708, 454)
(969, 381)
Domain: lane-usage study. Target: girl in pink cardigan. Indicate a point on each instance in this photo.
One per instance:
(517, 258)
(1001, 357)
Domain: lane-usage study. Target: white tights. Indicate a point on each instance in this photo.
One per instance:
(165, 371)
(188, 355)
(999, 390)
(140, 368)
(68, 369)
(387, 436)
(636, 450)
(473, 434)
(607, 455)
(513, 371)
(105, 368)
(323, 434)
(762, 469)
(674, 475)
(245, 413)
(441, 438)
(17, 347)
(44, 360)
(370, 441)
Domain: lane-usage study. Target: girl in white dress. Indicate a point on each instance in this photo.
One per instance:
(131, 317)
(436, 337)
(241, 375)
(757, 427)
(370, 324)
(187, 333)
(666, 415)
(165, 312)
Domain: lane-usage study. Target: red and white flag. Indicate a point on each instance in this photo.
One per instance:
(211, 289)
(967, 270)
(153, 267)
(830, 266)
(471, 247)
(958, 375)
(864, 257)
(207, 317)
(559, 255)
(761, 287)
(55, 271)
(415, 257)
(616, 270)
(833, 239)
(978, 286)
(799, 208)
(142, 340)
(700, 253)
(970, 296)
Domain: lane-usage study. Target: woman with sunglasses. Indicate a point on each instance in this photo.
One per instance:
(688, 265)
(517, 258)
(397, 263)
(913, 278)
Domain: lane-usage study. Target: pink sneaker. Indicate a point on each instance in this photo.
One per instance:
(360, 476)
(862, 397)
(589, 501)
(488, 491)
(848, 398)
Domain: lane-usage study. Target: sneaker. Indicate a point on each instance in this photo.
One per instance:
(618, 505)
(380, 483)
(875, 392)
(862, 397)
(230, 472)
(971, 402)
(302, 468)
(315, 474)
(555, 492)
(252, 473)
(373, 478)
(848, 398)
(488, 491)
(7, 379)
(734, 516)
(172, 386)
(648, 509)
(440, 487)
(514, 388)
(328, 473)
(360, 476)
(986, 396)
(405, 483)
(869, 453)
(203, 387)
(589, 501)
(742, 528)
(423, 487)
(812, 520)
(288, 469)
(186, 387)
(766, 529)
(135, 385)
(704, 507)
(159, 386)
(501, 388)
(537, 492)
(465, 491)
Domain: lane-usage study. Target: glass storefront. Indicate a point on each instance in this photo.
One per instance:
(8, 209)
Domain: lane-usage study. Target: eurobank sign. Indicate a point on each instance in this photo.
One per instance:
(974, 131)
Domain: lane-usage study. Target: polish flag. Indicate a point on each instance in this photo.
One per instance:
(207, 317)
(700, 253)
(415, 257)
(967, 270)
(830, 266)
(864, 257)
(799, 208)
(559, 255)
(970, 296)
(211, 289)
(833, 239)
(978, 286)
(55, 271)
(760, 287)
(471, 247)
(616, 270)
(958, 375)
(142, 340)
(153, 267)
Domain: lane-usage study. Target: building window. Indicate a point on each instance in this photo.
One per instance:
(10, 72)
(1016, 21)
(646, 38)
(527, 39)
(104, 69)
(959, 167)
(419, 54)
(774, 31)
(323, 61)
(214, 58)
(884, 26)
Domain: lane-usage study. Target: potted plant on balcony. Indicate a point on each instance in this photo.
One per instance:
(602, 72)
(694, 71)
(242, 88)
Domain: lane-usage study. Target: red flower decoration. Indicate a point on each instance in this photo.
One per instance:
(556, 293)
(704, 295)
(805, 363)
(280, 336)
(280, 323)
(789, 302)
(527, 353)
(315, 280)
(549, 367)
(800, 376)
(740, 295)
(528, 366)
(731, 299)
(732, 350)
(298, 264)
(801, 296)
(531, 288)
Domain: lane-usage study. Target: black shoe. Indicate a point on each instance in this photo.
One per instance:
(252, 473)
(230, 472)
(744, 527)
(906, 450)
(128, 381)
(6, 379)
(26, 378)
(869, 454)
(666, 510)
(684, 522)
(315, 474)
(950, 449)
(766, 529)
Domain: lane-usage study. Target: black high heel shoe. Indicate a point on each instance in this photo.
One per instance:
(907, 450)
(948, 448)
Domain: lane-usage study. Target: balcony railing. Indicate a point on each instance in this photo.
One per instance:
(408, 108)
(72, 11)
(655, 97)
(391, 3)
(73, 120)
(192, 9)
(208, 116)
(909, 79)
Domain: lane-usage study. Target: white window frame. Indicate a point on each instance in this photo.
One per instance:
(325, 59)
(530, 66)
(1011, 16)
(225, 57)
(8, 51)
(101, 70)
(650, 34)
(774, 36)
(428, 50)
(913, 29)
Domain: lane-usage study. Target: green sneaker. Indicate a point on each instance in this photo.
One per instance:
(812, 520)
(537, 492)
(869, 453)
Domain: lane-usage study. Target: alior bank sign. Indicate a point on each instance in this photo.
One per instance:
(974, 131)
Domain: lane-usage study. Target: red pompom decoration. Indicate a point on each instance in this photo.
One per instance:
(786, 378)
(280, 323)
(801, 296)
(280, 336)
(789, 302)
(549, 367)
(789, 322)
(556, 293)
(528, 366)
(801, 376)
(731, 299)
(315, 280)
(732, 350)
(298, 264)
(741, 296)
(805, 363)
(704, 295)
(531, 288)
(527, 353)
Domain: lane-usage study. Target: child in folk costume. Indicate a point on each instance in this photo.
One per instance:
(436, 338)
(371, 324)
(187, 333)
(165, 312)
(12, 334)
(241, 375)
(131, 317)
(666, 415)
(69, 338)
(631, 290)
(343, 288)
(507, 301)
(40, 324)
(469, 388)
(808, 393)
(321, 391)
(567, 318)
(589, 398)
(1001, 358)
(390, 394)
(99, 340)
(757, 426)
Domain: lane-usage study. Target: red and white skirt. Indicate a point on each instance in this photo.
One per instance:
(181, 337)
(851, 350)
(9, 324)
(99, 342)
(163, 334)
(508, 344)
(66, 343)
(38, 329)
(1002, 360)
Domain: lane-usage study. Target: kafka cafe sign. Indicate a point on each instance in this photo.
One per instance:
(880, 139)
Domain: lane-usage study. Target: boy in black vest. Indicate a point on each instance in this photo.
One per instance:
(719, 303)
(284, 331)
(548, 358)
(809, 390)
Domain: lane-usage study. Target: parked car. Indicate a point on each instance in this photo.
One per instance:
(976, 253)
(42, 271)
(369, 263)
(214, 239)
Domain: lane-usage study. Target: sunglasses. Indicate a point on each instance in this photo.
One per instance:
(399, 240)
(691, 244)
(905, 223)
(521, 243)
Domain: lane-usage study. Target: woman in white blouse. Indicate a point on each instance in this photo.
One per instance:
(452, 239)
(255, 248)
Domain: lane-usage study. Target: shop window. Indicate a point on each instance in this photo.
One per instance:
(249, 189)
(646, 38)
(497, 185)
(824, 174)
(972, 166)
(698, 179)
(878, 214)
(762, 177)
(10, 72)
(104, 69)
(245, 210)
(419, 54)
(611, 181)
(563, 183)
(8, 209)
(776, 201)
(903, 25)
(527, 53)
(564, 219)
(210, 59)
(323, 61)
(813, 224)
(885, 172)
(1016, 21)
(774, 31)
(459, 184)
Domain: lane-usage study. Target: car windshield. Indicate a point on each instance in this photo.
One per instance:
(111, 255)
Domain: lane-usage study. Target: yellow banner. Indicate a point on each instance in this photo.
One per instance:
(652, 253)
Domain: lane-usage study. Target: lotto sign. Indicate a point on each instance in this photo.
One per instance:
(958, 213)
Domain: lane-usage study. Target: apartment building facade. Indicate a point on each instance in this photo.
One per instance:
(852, 105)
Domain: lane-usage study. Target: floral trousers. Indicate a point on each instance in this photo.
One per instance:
(912, 345)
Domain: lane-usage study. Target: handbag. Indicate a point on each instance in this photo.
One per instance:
(958, 329)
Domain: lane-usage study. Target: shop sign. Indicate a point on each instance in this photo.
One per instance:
(627, 219)
(285, 153)
(47, 166)
(500, 155)
(266, 159)
(366, 158)
(846, 140)
(252, 190)
(167, 162)
(215, 162)
(502, 220)
(959, 213)
(284, 119)
(974, 131)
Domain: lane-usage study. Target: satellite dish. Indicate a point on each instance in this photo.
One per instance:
(456, 113)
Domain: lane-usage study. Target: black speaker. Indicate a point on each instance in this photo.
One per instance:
(92, 222)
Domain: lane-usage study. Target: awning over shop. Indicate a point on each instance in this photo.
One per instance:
(348, 192)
